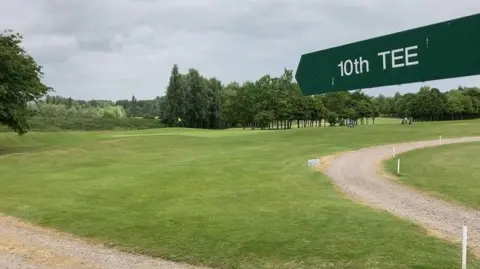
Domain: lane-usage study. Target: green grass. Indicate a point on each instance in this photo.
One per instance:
(226, 199)
(451, 172)
(387, 120)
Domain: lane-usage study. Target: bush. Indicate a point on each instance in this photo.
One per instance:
(332, 118)
(54, 124)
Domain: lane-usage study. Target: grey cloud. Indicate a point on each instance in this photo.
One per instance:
(115, 48)
(103, 44)
(51, 48)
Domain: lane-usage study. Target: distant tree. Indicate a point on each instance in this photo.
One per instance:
(93, 103)
(332, 118)
(69, 102)
(454, 106)
(375, 110)
(215, 103)
(197, 98)
(175, 102)
(133, 108)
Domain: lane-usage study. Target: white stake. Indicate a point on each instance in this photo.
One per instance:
(440, 140)
(393, 152)
(398, 166)
(464, 247)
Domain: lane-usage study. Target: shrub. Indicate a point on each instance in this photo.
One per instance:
(54, 124)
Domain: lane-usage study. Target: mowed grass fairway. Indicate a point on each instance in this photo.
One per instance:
(225, 199)
(451, 172)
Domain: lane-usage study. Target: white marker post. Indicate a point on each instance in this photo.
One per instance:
(398, 166)
(393, 152)
(440, 140)
(464, 247)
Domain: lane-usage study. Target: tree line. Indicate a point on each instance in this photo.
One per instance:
(429, 104)
(270, 102)
(58, 106)
(57, 113)
(195, 101)
(52, 106)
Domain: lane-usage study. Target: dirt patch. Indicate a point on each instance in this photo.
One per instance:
(23, 245)
(326, 161)
(40, 256)
(15, 223)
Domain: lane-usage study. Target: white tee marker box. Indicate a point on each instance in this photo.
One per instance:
(313, 162)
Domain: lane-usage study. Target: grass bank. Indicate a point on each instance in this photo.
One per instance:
(451, 172)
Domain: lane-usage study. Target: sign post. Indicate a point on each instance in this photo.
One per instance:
(443, 50)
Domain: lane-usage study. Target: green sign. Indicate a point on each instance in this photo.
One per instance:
(438, 51)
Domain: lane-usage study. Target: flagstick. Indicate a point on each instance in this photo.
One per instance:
(178, 126)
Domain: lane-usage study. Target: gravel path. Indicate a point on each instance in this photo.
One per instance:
(359, 175)
(23, 246)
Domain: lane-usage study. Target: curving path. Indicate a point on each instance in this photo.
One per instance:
(356, 173)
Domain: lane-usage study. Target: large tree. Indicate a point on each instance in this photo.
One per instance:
(198, 99)
(176, 105)
(20, 82)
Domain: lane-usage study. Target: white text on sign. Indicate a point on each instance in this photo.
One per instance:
(348, 66)
(400, 57)
(390, 59)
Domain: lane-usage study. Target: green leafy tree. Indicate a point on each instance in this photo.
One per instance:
(375, 110)
(454, 105)
(176, 103)
(69, 102)
(215, 103)
(197, 98)
(20, 82)
(275, 102)
(332, 118)
(133, 108)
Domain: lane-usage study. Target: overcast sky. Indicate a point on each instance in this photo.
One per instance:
(113, 49)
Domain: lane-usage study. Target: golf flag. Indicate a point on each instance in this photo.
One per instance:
(179, 119)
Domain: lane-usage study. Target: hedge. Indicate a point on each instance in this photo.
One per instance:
(42, 124)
